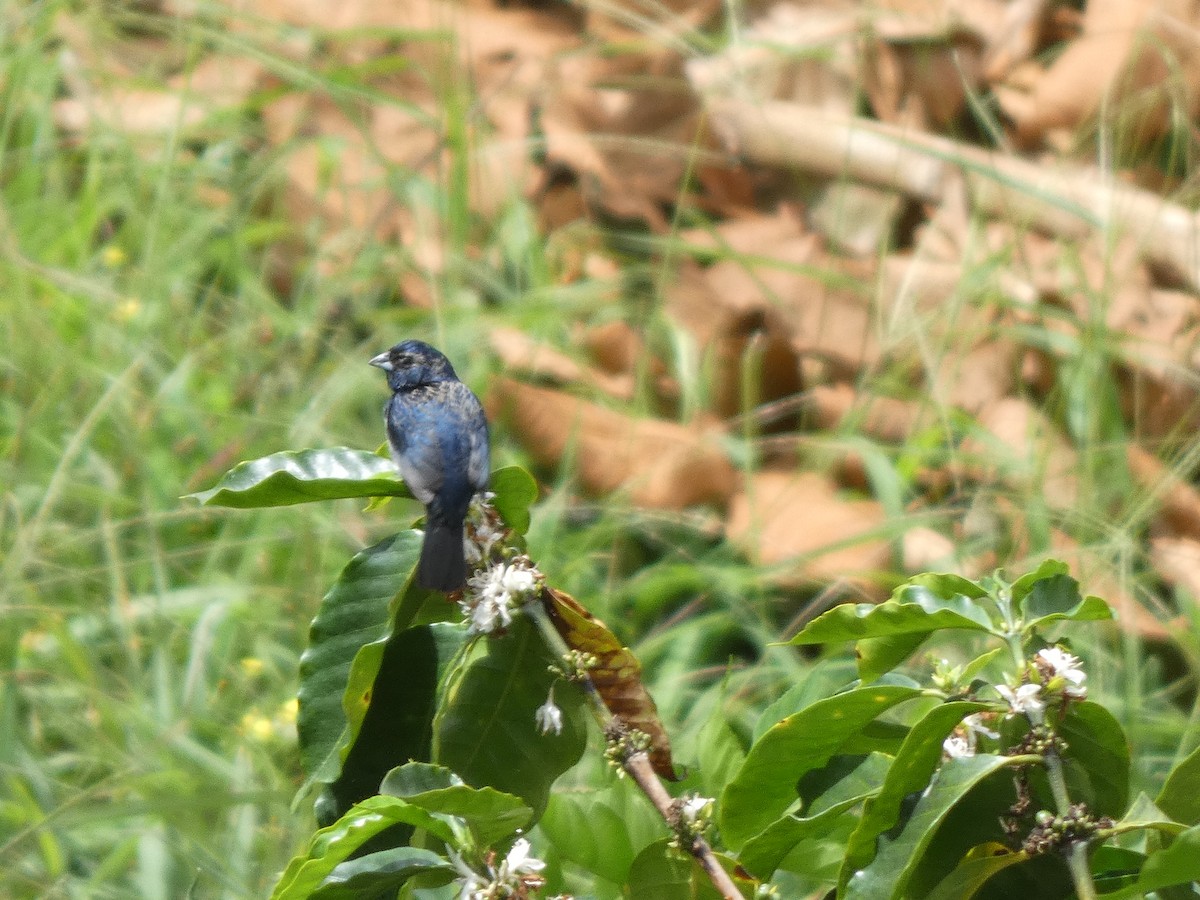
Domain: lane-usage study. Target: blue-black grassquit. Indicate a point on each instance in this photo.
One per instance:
(439, 441)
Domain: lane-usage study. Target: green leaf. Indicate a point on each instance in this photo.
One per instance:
(947, 585)
(486, 731)
(515, 491)
(879, 655)
(913, 610)
(662, 873)
(1143, 815)
(333, 845)
(764, 852)
(910, 773)
(1180, 794)
(1055, 598)
(719, 754)
(1097, 754)
(304, 476)
(380, 874)
(765, 786)
(1048, 568)
(1177, 864)
(889, 873)
(491, 815)
(979, 864)
(390, 701)
(587, 831)
(353, 613)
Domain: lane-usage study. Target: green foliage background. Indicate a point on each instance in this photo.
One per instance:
(150, 648)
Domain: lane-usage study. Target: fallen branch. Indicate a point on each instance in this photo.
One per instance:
(1067, 202)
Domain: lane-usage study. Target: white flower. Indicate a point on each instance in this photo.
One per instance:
(548, 716)
(484, 529)
(962, 740)
(519, 862)
(516, 875)
(695, 806)
(974, 726)
(519, 581)
(1024, 699)
(957, 747)
(1060, 662)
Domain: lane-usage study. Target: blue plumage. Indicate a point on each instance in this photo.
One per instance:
(439, 441)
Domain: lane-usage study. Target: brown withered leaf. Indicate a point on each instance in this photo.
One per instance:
(521, 353)
(1177, 561)
(217, 84)
(1140, 54)
(617, 674)
(1024, 448)
(1179, 501)
(788, 516)
(886, 418)
(663, 465)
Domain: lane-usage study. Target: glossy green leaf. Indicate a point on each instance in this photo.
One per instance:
(1180, 794)
(764, 788)
(1056, 598)
(974, 870)
(879, 655)
(587, 831)
(887, 876)
(764, 852)
(661, 873)
(947, 585)
(390, 701)
(1177, 864)
(486, 731)
(490, 814)
(381, 874)
(333, 845)
(910, 773)
(1048, 568)
(515, 491)
(913, 610)
(353, 613)
(1144, 815)
(1097, 754)
(305, 476)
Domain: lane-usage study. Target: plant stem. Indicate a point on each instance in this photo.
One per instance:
(635, 764)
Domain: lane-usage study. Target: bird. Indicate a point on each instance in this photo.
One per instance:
(438, 438)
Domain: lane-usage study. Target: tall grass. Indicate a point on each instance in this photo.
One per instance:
(149, 649)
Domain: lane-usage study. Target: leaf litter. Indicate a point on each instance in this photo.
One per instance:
(958, 231)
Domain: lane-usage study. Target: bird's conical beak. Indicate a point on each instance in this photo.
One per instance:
(382, 361)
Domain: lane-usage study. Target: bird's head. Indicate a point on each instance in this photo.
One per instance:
(411, 363)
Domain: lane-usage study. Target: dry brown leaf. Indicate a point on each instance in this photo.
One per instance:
(616, 674)
(1177, 560)
(785, 516)
(661, 464)
(1137, 52)
(925, 550)
(886, 418)
(218, 83)
(521, 353)
(1027, 450)
(1179, 501)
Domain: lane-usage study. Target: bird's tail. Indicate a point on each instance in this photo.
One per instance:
(443, 565)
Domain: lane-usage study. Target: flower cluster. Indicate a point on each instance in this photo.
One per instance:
(1055, 663)
(516, 875)
(1052, 674)
(495, 593)
(483, 530)
(961, 743)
